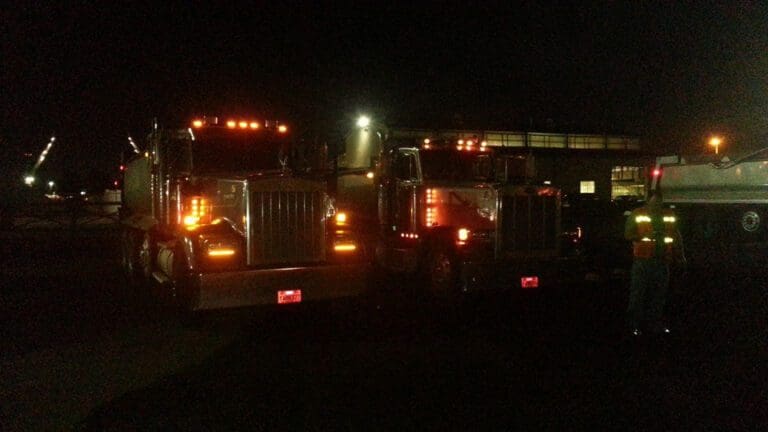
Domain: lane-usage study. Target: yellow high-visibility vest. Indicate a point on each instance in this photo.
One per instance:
(646, 245)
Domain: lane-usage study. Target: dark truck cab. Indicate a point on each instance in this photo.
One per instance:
(219, 215)
(457, 213)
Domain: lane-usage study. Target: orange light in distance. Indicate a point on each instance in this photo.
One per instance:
(197, 124)
(282, 128)
(254, 125)
(231, 124)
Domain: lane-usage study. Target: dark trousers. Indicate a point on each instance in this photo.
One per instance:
(647, 292)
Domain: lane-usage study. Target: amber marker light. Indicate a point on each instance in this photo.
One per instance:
(243, 125)
(344, 247)
(197, 124)
(254, 125)
(231, 124)
(221, 252)
(282, 128)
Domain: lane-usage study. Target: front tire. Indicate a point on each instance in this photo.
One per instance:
(130, 251)
(146, 256)
(442, 273)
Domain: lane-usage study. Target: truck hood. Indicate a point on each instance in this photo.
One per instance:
(468, 206)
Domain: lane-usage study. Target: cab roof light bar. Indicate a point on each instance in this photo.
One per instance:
(239, 123)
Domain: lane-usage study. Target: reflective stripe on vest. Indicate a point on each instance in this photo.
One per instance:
(646, 247)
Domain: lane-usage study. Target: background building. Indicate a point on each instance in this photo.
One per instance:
(606, 167)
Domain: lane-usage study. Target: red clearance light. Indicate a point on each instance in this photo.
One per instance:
(529, 282)
(656, 172)
(197, 124)
(231, 124)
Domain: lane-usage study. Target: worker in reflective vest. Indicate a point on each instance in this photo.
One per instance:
(656, 243)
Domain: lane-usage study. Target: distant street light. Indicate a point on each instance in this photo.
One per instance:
(29, 180)
(715, 142)
(50, 184)
(363, 121)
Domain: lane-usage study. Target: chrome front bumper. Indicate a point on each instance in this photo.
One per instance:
(260, 287)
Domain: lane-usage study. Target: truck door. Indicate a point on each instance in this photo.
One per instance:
(407, 178)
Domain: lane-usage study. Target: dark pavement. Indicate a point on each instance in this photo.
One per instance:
(82, 351)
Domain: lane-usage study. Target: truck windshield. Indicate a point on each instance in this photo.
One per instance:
(455, 165)
(238, 154)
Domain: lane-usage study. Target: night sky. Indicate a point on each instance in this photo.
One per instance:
(670, 72)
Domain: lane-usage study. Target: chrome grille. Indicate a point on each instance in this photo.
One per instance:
(529, 223)
(286, 227)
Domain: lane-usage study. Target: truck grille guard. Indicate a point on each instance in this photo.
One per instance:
(286, 226)
(528, 225)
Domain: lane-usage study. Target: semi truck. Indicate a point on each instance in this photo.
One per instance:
(219, 213)
(722, 205)
(452, 212)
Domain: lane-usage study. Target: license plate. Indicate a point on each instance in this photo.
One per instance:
(289, 296)
(529, 282)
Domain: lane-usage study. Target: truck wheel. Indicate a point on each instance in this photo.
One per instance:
(131, 258)
(184, 294)
(146, 254)
(441, 273)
